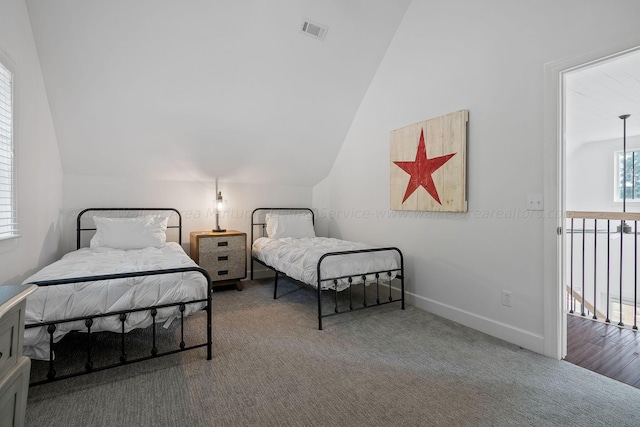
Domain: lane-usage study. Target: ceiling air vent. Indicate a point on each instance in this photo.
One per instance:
(313, 29)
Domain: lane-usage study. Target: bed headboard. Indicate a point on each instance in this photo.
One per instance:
(258, 218)
(84, 221)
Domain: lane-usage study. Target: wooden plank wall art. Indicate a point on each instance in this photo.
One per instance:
(428, 165)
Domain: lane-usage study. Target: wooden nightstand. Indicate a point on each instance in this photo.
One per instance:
(223, 255)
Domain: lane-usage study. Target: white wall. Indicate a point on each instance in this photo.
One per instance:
(487, 57)
(38, 159)
(194, 200)
(590, 175)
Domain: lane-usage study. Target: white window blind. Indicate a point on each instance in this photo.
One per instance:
(8, 214)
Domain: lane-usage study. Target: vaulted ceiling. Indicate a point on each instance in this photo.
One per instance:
(206, 89)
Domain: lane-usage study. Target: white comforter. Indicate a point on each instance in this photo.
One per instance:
(298, 259)
(82, 299)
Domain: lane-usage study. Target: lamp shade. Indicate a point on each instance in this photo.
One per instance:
(219, 204)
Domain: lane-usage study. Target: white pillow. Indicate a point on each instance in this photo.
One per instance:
(289, 225)
(130, 233)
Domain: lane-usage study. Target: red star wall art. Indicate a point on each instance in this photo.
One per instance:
(428, 165)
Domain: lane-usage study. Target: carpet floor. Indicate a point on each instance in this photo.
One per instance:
(378, 367)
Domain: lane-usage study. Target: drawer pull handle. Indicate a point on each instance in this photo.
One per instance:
(223, 243)
(223, 258)
(223, 272)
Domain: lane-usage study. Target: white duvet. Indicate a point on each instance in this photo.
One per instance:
(82, 299)
(298, 259)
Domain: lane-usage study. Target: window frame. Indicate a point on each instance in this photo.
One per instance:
(13, 233)
(617, 171)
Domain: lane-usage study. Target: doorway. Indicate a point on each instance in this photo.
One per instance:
(601, 138)
(555, 153)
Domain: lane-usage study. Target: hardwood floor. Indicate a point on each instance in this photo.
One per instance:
(605, 349)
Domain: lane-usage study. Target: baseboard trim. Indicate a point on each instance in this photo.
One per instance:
(520, 337)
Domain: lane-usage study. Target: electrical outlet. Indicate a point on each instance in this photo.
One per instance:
(535, 202)
(506, 298)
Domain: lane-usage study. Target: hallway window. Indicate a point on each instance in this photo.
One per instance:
(8, 213)
(630, 182)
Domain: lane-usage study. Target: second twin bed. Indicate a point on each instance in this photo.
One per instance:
(284, 240)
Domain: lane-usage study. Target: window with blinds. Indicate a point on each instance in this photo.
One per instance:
(8, 214)
(627, 186)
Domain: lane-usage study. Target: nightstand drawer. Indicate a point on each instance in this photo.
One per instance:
(13, 394)
(222, 273)
(222, 244)
(9, 335)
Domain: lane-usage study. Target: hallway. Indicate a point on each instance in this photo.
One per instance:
(604, 348)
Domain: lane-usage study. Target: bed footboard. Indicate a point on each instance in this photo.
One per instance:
(371, 277)
(124, 359)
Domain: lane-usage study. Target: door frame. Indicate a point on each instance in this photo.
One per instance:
(554, 168)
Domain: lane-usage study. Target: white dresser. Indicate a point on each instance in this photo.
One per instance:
(14, 367)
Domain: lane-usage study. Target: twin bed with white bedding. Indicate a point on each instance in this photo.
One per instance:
(286, 244)
(130, 277)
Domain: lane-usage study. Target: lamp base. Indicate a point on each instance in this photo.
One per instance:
(218, 230)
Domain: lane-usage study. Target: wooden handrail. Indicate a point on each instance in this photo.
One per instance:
(620, 216)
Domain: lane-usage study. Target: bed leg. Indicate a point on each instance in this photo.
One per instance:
(52, 372)
(89, 365)
(123, 354)
(209, 320)
(319, 307)
(275, 286)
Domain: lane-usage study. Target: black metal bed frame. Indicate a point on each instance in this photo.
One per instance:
(89, 366)
(399, 271)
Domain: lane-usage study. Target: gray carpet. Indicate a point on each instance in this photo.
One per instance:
(377, 367)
